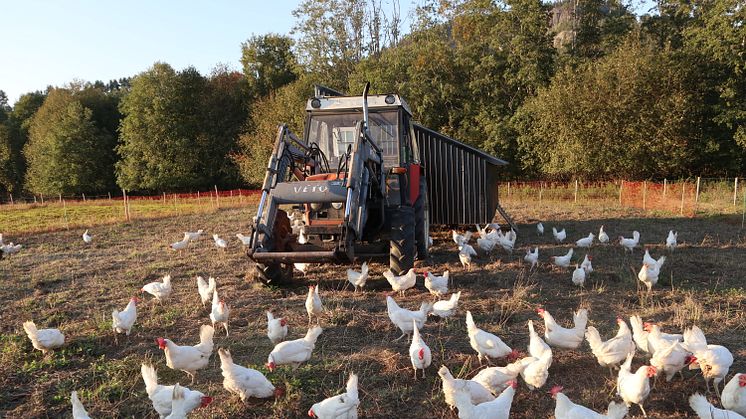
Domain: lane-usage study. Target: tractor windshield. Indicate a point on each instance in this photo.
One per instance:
(335, 132)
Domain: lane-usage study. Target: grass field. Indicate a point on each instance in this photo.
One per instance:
(59, 282)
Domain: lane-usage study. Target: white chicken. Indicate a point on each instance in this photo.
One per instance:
(465, 253)
(486, 245)
(734, 394)
(10, 248)
(714, 360)
(446, 308)
(559, 236)
(294, 352)
(578, 276)
(705, 409)
(634, 387)
(245, 240)
(477, 392)
(87, 238)
(537, 372)
(220, 243)
(630, 244)
(401, 283)
(402, 318)
(540, 228)
(564, 408)
(245, 382)
(178, 403)
(189, 358)
(277, 328)
(586, 241)
(486, 344)
(122, 321)
(358, 279)
(648, 275)
(536, 345)
(563, 261)
(671, 358)
(532, 257)
(646, 258)
(313, 304)
(220, 312)
(507, 242)
(612, 352)
(179, 245)
(437, 285)
(587, 264)
(161, 396)
(45, 340)
(341, 406)
(561, 337)
(495, 409)
(193, 235)
(205, 289)
(419, 352)
(79, 411)
(461, 239)
(302, 267)
(641, 333)
(496, 379)
(602, 236)
(160, 290)
(671, 240)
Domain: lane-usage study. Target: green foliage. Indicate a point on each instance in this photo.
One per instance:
(67, 152)
(624, 116)
(268, 63)
(178, 129)
(285, 106)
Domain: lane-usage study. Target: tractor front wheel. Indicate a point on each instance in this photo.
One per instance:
(422, 226)
(276, 274)
(402, 241)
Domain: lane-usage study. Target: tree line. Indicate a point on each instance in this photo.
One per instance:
(573, 89)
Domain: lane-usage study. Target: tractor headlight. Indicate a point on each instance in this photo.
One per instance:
(316, 206)
(337, 205)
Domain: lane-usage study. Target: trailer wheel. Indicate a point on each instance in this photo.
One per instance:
(402, 241)
(422, 226)
(276, 274)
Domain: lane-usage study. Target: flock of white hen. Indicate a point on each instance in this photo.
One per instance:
(489, 394)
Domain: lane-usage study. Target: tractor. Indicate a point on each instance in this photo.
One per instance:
(355, 186)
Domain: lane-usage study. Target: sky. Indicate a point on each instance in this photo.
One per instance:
(48, 42)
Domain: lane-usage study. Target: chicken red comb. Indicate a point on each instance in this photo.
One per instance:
(513, 383)
(205, 401)
(590, 257)
(540, 310)
(690, 359)
(311, 413)
(421, 353)
(283, 322)
(555, 390)
(742, 380)
(652, 371)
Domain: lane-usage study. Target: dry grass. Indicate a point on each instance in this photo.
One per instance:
(60, 282)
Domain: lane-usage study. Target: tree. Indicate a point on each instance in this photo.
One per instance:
(624, 116)
(285, 106)
(13, 138)
(268, 63)
(67, 152)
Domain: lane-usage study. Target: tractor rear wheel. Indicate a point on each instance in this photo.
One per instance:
(276, 274)
(422, 225)
(402, 241)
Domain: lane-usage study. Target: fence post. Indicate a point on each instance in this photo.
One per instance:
(164, 198)
(217, 204)
(743, 211)
(83, 197)
(60, 197)
(696, 195)
(735, 192)
(64, 212)
(109, 195)
(541, 190)
(644, 194)
(508, 188)
(576, 191)
(42, 199)
(11, 199)
(683, 190)
(198, 198)
(665, 186)
(124, 202)
(621, 185)
(34, 199)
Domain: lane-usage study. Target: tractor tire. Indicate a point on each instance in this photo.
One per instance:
(274, 274)
(422, 223)
(401, 241)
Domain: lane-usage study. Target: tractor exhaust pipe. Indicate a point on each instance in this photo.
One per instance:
(365, 105)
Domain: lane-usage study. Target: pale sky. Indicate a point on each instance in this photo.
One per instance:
(53, 42)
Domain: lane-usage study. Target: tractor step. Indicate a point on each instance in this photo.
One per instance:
(507, 217)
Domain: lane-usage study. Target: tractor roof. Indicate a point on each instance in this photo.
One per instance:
(375, 102)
